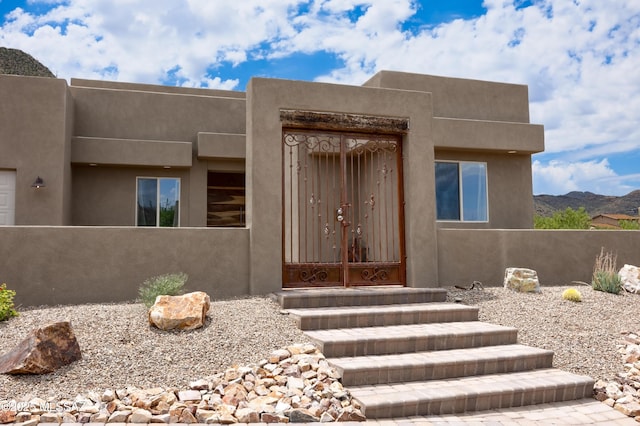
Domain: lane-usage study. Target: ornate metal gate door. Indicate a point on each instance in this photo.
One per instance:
(343, 217)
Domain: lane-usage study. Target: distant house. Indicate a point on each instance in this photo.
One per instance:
(610, 220)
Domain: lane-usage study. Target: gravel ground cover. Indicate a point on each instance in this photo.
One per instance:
(585, 336)
(120, 349)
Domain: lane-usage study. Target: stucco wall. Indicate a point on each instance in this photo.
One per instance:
(265, 99)
(71, 265)
(106, 196)
(509, 185)
(130, 130)
(34, 114)
(463, 98)
(559, 256)
(131, 114)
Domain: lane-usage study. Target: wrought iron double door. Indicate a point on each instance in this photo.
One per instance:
(343, 221)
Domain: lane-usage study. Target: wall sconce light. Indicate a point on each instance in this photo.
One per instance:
(38, 183)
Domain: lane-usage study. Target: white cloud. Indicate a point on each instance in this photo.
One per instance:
(580, 59)
(559, 177)
(140, 40)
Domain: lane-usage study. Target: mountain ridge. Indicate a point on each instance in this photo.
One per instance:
(594, 204)
(17, 62)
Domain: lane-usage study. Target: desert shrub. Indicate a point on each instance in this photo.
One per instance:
(567, 219)
(572, 294)
(7, 308)
(629, 224)
(162, 285)
(605, 273)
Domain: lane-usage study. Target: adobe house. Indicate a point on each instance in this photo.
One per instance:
(408, 179)
(611, 220)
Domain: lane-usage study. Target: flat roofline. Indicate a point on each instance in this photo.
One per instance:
(157, 88)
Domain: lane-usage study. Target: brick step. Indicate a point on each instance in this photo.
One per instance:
(438, 365)
(382, 315)
(410, 338)
(477, 393)
(359, 296)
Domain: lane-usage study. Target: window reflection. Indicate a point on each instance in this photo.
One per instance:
(447, 191)
(158, 202)
(461, 191)
(474, 191)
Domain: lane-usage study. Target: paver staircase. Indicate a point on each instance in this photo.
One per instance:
(404, 352)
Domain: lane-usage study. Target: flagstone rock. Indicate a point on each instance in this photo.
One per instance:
(45, 350)
(185, 312)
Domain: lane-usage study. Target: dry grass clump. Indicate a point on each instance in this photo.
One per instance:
(605, 273)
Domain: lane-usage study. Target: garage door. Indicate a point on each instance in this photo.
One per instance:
(7, 197)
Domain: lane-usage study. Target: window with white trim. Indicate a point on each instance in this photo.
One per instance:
(461, 191)
(158, 202)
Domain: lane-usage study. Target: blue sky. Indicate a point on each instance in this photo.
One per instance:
(580, 58)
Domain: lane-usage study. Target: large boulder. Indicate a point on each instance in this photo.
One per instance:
(521, 279)
(630, 276)
(185, 312)
(45, 350)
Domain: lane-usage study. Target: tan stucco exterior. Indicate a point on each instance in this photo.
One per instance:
(560, 257)
(91, 140)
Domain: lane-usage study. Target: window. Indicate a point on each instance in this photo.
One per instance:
(461, 191)
(158, 202)
(226, 199)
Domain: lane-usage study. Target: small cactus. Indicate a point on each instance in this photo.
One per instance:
(572, 294)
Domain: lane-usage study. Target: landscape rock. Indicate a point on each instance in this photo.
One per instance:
(247, 415)
(119, 416)
(23, 417)
(630, 276)
(189, 395)
(7, 416)
(44, 351)
(622, 393)
(631, 409)
(286, 396)
(522, 280)
(185, 312)
(300, 415)
(140, 416)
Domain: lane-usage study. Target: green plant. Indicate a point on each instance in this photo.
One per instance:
(567, 219)
(629, 224)
(7, 308)
(572, 294)
(605, 273)
(168, 284)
